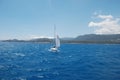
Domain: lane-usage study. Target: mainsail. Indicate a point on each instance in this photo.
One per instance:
(57, 41)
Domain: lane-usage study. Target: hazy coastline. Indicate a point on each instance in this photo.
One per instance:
(89, 38)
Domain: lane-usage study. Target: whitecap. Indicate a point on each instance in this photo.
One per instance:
(19, 54)
(69, 56)
(19, 78)
(40, 76)
(39, 70)
(56, 73)
(22, 78)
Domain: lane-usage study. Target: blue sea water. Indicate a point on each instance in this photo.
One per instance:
(33, 61)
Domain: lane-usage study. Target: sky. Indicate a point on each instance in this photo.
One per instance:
(27, 19)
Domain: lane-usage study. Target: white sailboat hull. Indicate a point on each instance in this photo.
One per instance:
(54, 49)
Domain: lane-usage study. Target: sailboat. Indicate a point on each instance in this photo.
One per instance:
(56, 45)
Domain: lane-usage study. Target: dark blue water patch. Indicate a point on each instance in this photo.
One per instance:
(33, 61)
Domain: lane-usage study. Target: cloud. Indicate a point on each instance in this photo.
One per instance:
(36, 36)
(107, 25)
(105, 16)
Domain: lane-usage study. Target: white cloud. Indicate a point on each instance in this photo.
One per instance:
(36, 36)
(97, 12)
(105, 16)
(107, 25)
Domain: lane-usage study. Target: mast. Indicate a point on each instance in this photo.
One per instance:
(54, 31)
(54, 35)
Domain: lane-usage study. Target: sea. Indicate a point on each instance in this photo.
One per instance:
(34, 61)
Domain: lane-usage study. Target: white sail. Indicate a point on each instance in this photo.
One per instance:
(57, 41)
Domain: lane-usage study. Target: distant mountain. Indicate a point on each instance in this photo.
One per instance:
(32, 40)
(41, 40)
(13, 40)
(89, 38)
(94, 37)
(113, 38)
(67, 38)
